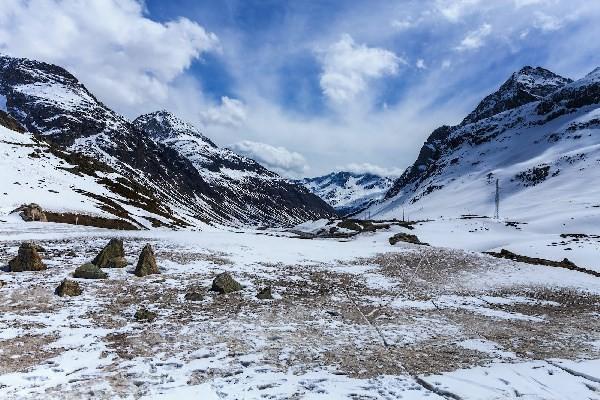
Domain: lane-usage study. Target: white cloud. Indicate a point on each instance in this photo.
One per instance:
(368, 168)
(420, 64)
(454, 10)
(278, 159)
(230, 112)
(475, 39)
(123, 57)
(547, 23)
(348, 67)
(402, 25)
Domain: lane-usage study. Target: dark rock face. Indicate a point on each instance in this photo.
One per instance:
(31, 212)
(143, 315)
(112, 255)
(224, 284)
(9, 122)
(407, 238)
(68, 288)
(159, 177)
(265, 294)
(89, 271)
(27, 259)
(146, 264)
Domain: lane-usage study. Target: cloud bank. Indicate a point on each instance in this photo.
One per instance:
(279, 159)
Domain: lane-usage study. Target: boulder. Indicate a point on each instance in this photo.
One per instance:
(147, 262)
(112, 255)
(265, 294)
(407, 238)
(224, 283)
(27, 259)
(68, 288)
(89, 271)
(194, 295)
(143, 315)
(31, 212)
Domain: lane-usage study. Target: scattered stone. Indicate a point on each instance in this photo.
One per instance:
(27, 259)
(407, 238)
(194, 295)
(68, 288)
(31, 212)
(147, 262)
(224, 284)
(89, 271)
(112, 255)
(265, 294)
(143, 315)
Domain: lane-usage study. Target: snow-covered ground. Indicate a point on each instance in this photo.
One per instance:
(356, 319)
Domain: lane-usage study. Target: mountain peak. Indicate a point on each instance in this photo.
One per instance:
(162, 124)
(522, 87)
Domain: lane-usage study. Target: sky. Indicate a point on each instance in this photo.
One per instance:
(305, 87)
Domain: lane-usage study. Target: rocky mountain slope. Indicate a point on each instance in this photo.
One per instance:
(348, 192)
(52, 104)
(538, 135)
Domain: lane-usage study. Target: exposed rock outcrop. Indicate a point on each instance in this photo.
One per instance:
(27, 259)
(89, 271)
(407, 238)
(68, 288)
(194, 295)
(224, 284)
(146, 264)
(112, 255)
(144, 315)
(265, 294)
(31, 212)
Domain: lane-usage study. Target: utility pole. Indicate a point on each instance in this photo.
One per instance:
(497, 199)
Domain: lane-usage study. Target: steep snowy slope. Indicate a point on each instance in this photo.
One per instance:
(68, 186)
(250, 188)
(545, 154)
(348, 192)
(50, 102)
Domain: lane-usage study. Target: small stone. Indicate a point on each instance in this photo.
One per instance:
(112, 255)
(147, 262)
(68, 288)
(194, 295)
(89, 271)
(224, 284)
(265, 294)
(27, 259)
(143, 315)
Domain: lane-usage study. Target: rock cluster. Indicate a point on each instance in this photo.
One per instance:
(224, 284)
(112, 255)
(194, 295)
(27, 259)
(265, 294)
(31, 212)
(68, 288)
(143, 315)
(146, 264)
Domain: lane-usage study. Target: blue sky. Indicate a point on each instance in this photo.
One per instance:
(309, 86)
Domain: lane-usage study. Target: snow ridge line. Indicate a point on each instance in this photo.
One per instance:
(574, 373)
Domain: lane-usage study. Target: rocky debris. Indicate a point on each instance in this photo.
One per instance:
(194, 295)
(68, 288)
(407, 238)
(27, 259)
(147, 262)
(112, 255)
(144, 315)
(89, 271)
(565, 263)
(31, 212)
(224, 283)
(265, 294)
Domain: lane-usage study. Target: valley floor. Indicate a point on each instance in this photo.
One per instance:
(356, 319)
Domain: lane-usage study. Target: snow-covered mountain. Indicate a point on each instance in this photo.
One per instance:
(538, 135)
(348, 192)
(52, 104)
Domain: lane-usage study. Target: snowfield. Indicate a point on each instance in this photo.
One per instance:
(351, 318)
